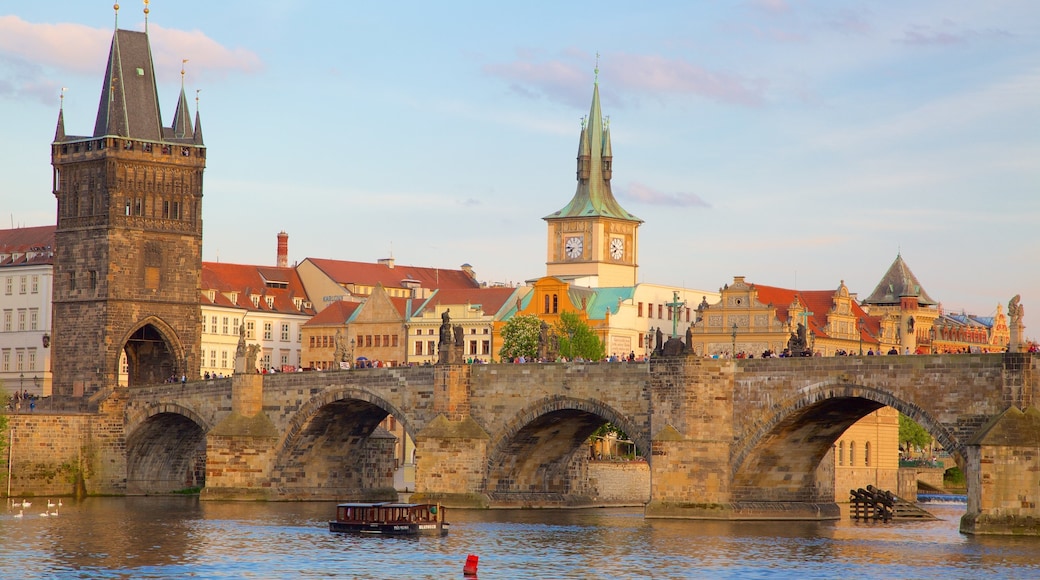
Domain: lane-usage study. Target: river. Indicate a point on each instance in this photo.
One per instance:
(176, 537)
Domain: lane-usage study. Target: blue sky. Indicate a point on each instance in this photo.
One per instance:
(798, 143)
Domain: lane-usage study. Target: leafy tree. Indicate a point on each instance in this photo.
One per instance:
(912, 433)
(577, 339)
(520, 337)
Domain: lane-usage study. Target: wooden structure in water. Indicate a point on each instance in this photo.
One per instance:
(877, 504)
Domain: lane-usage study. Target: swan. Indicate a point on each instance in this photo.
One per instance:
(19, 514)
(59, 503)
(50, 504)
(44, 514)
(54, 513)
(26, 504)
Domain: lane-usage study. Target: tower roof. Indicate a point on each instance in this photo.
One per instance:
(593, 197)
(898, 281)
(129, 104)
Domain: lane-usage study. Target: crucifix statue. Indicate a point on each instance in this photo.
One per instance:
(675, 305)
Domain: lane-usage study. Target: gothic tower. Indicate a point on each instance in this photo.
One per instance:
(593, 241)
(128, 243)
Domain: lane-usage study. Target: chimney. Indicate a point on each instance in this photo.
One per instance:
(283, 249)
(469, 270)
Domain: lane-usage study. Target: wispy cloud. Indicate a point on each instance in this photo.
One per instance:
(646, 194)
(946, 33)
(33, 56)
(566, 78)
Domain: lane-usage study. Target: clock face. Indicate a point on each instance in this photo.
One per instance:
(573, 247)
(617, 248)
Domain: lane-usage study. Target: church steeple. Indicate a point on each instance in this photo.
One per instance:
(593, 196)
(593, 240)
(59, 131)
(129, 104)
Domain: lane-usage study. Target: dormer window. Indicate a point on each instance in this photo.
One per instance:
(298, 302)
(255, 298)
(270, 301)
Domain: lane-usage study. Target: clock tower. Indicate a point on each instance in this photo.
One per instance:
(593, 240)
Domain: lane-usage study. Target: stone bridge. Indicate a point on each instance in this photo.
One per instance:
(728, 439)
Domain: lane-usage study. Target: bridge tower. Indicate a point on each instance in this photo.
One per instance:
(593, 238)
(128, 242)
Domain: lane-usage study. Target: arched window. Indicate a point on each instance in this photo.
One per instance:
(866, 454)
(556, 303)
(547, 304)
(841, 453)
(852, 453)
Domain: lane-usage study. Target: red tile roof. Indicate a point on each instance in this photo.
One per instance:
(490, 300)
(22, 246)
(281, 284)
(369, 274)
(334, 314)
(819, 303)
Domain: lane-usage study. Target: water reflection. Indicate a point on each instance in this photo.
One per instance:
(172, 537)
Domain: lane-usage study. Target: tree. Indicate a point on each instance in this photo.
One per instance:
(911, 433)
(520, 337)
(577, 339)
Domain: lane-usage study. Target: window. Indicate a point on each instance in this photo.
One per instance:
(841, 453)
(267, 334)
(269, 300)
(660, 311)
(8, 285)
(213, 325)
(5, 365)
(224, 325)
(640, 312)
(223, 359)
(866, 454)
(21, 319)
(547, 304)
(19, 357)
(285, 332)
(21, 284)
(312, 341)
(8, 317)
(34, 285)
(556, 303)
(368, 340)
(650, 310)
(34, 318)
(485, 347)
(431, 347)
(234, 325)
(430, 331)
(32, 359)
(212, 358)
(852, 453)
(418, 347)
(377, 340)
(386, 340)
(250, 329)
(473, 347)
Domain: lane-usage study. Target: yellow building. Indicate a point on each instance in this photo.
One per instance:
(868, 454)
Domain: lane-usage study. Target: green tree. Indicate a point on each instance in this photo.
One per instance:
(577, 339)
(911, 433)
(520, 337)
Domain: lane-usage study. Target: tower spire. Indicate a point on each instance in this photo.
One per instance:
(146, 11)
(115, 8)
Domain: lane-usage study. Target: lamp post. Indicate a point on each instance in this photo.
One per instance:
(859, 331)
(352, 343)
(733, 353)
(21, 381)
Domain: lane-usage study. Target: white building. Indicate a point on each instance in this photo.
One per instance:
(26, 266)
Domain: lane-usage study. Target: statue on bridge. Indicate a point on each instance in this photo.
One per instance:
(1015, 314)
(240, 350)
(797, 344)
(341, 353)
(251, 355)
(459, 335)
(445, 333)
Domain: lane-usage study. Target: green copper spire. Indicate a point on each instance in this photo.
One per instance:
(593, 197)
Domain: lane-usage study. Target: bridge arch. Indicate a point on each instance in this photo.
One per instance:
(332, 446)
(781, 454)
(541, 447)
(165, 449)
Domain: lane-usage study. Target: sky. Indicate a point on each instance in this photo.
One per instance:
(799, 143)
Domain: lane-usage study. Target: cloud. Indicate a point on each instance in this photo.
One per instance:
(645, 194)
(566, 78)
(771, 6)
(33, 55)
(947, 34)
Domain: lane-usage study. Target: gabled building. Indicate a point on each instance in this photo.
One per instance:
(26, 267)
(378, 328)
(270, 301)
(329, 281)
(473, 310)
(328, 343)
(959, 333)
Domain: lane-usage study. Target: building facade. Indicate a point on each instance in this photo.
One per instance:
(26, 265)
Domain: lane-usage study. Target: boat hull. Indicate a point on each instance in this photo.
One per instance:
(387, 529)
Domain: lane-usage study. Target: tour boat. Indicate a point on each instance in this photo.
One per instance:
(390, 518)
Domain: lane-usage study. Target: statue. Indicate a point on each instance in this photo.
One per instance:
(910, 325)
(1016, 312)
(659, 336)
(797, 344)
(240, 350)
(251, 355)
(689, 337)
(445, 334)
(341, 347)
(459, 335)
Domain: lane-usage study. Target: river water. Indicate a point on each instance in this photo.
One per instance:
(177, 537)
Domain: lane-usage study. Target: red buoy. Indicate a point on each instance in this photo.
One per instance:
(470, 569)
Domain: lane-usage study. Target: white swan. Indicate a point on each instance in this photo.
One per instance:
(59, 503)
(54, 513)
(50, 504)
(19, 514)
(26, 504)
(44, 514)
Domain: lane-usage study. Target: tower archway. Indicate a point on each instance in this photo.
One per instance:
(153, 354)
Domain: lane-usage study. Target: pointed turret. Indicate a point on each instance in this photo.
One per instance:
(182, 119)
(897, 282)
(198, 128)
(129, 104)
(59, 131)
(595, 158)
